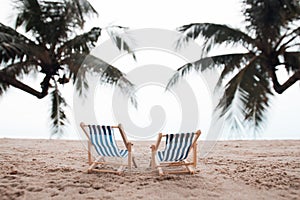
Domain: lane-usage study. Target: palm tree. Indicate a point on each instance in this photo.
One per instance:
(51, 47)
(270, 40)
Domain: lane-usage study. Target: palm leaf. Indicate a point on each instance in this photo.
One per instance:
(256, 103)
(10, 44)
(213, 34)
(58, 116)
(29, 14)
(3, 85)
(229, 62)
(52, 22)
(267, 18)
(248, 91)
(82, 8)
(121, 38)
(199, 65)
(20, 68)
(81, 43)
(15, 46)
(107, 74)
(74, 62)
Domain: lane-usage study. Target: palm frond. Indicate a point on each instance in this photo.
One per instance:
(3, 85)
(229, 62)
(29, 14)
(74, 62)
(78, 72)
(120, 36)
(257, 101)
(58, 116)
(9, 34)
(20, 68)
(52, 22)
(287, 41)
(248, 92)
(231, 90)
(10, 44)
(199, 65)
(213, 34)
(82, 8)
(108, 75)
(3, 88)
(267, 18)
(81, 43)
(15, 46)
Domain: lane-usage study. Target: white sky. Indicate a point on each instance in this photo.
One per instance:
(24, 116)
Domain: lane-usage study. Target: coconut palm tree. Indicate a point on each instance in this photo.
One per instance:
(270, 39)
(54, 46)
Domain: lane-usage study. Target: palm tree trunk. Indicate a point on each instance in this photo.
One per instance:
(18, 84)
(280, 88)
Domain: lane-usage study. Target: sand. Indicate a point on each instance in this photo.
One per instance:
(56, 169)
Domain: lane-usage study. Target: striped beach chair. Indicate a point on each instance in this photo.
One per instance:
(177, 149)
(102, 139)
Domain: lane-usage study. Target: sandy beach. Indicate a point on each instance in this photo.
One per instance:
(56, 169)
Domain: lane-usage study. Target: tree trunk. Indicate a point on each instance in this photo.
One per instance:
(280, 88)
(18, 84)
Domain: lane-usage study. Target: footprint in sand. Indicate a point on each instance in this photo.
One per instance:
(34, 189)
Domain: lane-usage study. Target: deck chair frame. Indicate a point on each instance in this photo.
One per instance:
(189, 166)
(101, 159)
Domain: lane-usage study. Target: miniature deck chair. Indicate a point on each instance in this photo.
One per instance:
(177, 149)
(103, 140)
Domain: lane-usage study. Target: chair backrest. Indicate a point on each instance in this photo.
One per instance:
(102, 138)
(177, 146)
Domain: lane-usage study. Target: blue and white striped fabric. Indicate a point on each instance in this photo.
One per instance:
(102, 137)
(177, 147)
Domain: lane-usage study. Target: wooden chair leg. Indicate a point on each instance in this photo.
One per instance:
(153, 163)
(129, 161)
(160, 171)
(89, 153)
(195, 155)
(190, 169)
(91, 167)
(133, 161)
(120, 170)
(129, 155)
(94, 164)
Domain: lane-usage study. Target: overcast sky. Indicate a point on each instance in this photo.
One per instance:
(23, 116)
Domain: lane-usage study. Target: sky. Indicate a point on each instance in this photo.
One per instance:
(24, 116)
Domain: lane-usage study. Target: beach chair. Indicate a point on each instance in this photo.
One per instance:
(102, 139)
(177, 149)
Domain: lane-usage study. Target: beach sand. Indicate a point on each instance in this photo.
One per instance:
(56, 169)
